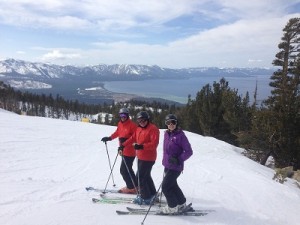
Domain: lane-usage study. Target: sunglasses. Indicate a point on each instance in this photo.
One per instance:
(169, 122)
(141, 120)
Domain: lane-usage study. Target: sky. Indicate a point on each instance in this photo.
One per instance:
(170, 33)
(45, 165)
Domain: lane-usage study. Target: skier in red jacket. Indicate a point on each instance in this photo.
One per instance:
(145, 141)
(126, 127)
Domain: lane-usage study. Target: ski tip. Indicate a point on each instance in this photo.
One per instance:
(121, 212)
(95, 200)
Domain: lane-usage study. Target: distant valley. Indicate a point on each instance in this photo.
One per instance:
(86, 84)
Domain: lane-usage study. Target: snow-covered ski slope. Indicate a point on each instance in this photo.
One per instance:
(45, 165)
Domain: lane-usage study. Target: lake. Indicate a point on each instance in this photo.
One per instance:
(179, 89)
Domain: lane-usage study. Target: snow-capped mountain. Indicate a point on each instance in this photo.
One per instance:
(75, 82)
(20, 68)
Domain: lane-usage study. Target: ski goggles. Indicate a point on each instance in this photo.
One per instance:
(169, 122)
(123, 115)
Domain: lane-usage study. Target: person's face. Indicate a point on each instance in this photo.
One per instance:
(142, 122)
(171, 124)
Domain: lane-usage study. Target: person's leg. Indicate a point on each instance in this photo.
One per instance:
(129, 176)
(171, 189)
(181, 200)
(146, 183)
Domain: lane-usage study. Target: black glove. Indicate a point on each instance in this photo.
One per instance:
(174, 161)
(138, 147)
(105, 139)
(122, 140)
(120, 150)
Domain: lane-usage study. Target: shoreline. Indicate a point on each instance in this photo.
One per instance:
(102, 93)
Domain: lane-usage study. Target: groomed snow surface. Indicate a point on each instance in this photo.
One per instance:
(45, 165)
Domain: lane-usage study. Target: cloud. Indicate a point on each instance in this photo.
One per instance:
(227, 45)
(58, 55)
(21, 52)
(117, 15)
(127, 14)
(166, 33)
(100, 14)
(254, 60)
(231, 43)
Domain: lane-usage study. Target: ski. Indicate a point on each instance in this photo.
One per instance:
(186, 208)
(101, 190)
(106, 191)
(187, 211)
(111, 201)
(157, 213)
(114, 201)
(130, 209)
(119, 198)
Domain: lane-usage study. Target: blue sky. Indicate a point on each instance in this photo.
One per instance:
(167, 33)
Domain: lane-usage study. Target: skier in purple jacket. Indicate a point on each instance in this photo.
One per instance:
(177, 149)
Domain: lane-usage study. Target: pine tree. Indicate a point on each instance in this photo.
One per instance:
(218, 111)
(284, 100)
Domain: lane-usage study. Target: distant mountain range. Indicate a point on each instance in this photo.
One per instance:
(73, 81)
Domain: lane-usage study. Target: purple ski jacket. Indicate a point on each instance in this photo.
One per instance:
(176, 145)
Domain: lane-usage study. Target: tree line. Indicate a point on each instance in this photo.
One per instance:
(269, 129)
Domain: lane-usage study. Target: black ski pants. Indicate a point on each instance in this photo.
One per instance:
(127, 171)
(147, 187)
(171, 190)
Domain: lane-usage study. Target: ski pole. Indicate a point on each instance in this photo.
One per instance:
(154, 198)
(104, 191)
(161, 194)
(131, 178)
(110, 165)
(138, 177)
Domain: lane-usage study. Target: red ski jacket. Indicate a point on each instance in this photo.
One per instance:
(124, 131)
(148, 137)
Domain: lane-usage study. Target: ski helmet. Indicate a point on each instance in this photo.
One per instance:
(124, 110)
(171, 118)
(143, 115)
